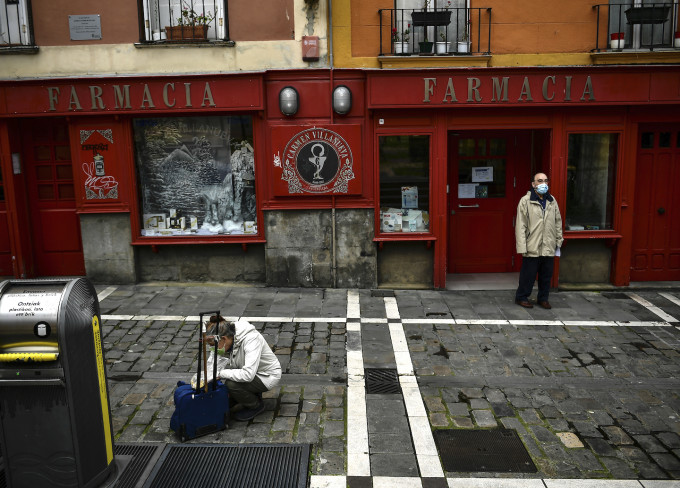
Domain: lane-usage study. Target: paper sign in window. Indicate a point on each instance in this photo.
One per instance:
(482, 174)
(409, 197)
(466, 190)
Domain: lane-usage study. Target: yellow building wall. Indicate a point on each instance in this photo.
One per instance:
(523, 33)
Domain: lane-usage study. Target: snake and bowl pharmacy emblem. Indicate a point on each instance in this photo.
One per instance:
(317, 160)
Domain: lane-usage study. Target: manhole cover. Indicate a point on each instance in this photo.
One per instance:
(233, 466)
(497, 450)
(382, 381)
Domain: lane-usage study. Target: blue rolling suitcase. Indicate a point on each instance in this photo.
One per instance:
(205, 409)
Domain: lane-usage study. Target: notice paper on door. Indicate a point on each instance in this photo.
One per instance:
(482, 174)
(466, 190)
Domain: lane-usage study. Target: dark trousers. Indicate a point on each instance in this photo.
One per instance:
(541, 266)
(246, 393)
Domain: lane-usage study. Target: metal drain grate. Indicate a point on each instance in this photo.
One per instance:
(251, 465)
(615, 296)
(497, 450)
(144, 456)
(382, 293)
(382, 381)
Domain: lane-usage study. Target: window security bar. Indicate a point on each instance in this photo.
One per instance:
(187, 21)
(443, 31)
(636, 26)
(16, 24)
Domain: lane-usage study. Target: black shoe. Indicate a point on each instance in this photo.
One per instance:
(524, 303)
(249, 413)
(545, 304)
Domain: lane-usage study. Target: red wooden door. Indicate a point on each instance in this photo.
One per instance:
(5, 249)
(488, 173)
(656, 233)
(55, 227)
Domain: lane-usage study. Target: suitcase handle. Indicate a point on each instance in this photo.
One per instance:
(200, 350)
(215, 365)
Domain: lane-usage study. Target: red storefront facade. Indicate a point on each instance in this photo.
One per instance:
(419, 179)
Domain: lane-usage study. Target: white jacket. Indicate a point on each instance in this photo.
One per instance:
(250, 356)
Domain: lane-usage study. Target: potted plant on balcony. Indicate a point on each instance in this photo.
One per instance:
(425, 45)
(617, 40)
(442, 47)
(401, 43)
(645, 14)
(464, 43)
(190, 25)
(427, 17)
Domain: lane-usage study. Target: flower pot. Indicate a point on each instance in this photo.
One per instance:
(676, 40)
(431, 17)
(647, 15)
(463, 47)
(441, 47)
(617, 40)
(425, 47)
(401, 47)
(187, 32)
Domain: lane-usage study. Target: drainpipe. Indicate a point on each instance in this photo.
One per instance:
(329, 31)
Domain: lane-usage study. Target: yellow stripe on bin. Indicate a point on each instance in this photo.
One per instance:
(102, 389)
(21, 357)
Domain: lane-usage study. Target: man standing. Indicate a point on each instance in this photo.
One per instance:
(538, 237)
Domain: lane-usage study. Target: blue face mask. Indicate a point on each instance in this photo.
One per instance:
(542, 189)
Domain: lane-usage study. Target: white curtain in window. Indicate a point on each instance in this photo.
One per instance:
(14, 29)
(451, 32)
(642, 35)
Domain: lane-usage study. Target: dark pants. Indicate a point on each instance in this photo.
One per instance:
(246, 393)
(543, 267)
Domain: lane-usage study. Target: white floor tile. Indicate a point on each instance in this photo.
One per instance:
(327, 481)
(391, 482)
(494, 483)
(660, 483)
(578, 483)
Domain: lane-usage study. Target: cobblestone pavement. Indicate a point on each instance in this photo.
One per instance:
(591, 386)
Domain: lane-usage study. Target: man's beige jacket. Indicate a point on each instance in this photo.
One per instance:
(538, 232)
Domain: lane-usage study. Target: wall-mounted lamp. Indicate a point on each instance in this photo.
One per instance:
(288, 101)
(342, 100)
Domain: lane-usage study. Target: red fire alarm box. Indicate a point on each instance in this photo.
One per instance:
(310, 48)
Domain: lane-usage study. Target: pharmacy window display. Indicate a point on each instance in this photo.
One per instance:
(591, 178)
(196, 175)
(404, 183)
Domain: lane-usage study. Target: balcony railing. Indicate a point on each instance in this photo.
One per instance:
(186, 21)
(639, 27)
(447, 31)
(16, 24)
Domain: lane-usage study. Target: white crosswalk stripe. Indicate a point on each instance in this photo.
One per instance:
(652, 308)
